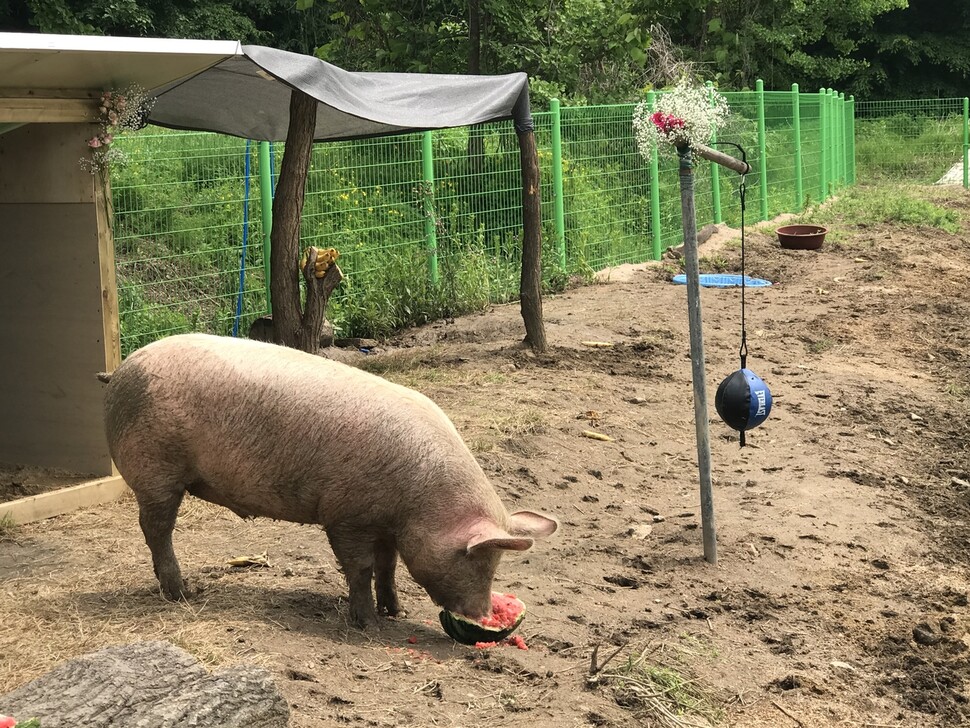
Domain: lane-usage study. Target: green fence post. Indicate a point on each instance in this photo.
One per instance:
(715, 169)
(762, 148)
(833, 142)
(654, 186)
(266, 210)
(796, 115)
(851, 140)
(430, 234)
(557, 196)
(966, 142)
(843, 175)
(823, 143)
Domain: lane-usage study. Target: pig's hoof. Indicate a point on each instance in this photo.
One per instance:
(178, 594)
(364, 618)
(391, 607)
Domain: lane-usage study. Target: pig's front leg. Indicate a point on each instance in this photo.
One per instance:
(355, 553)
(385, 562)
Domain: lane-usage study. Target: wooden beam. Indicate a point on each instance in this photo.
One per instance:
(30, 110)
(65, 500)
(110, 321)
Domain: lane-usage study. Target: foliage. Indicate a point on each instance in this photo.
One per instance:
(919, 50)
(581, 51)
(571, 49)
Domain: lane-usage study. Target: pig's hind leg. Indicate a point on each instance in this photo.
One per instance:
(355, 553)
(385, 562)
(157, 510)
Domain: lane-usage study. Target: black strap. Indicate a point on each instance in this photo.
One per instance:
(742, 194)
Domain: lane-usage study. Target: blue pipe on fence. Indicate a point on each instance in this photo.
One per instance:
(245, 239)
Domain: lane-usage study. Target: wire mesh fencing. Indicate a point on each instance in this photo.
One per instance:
(430, 225)
(920, 140)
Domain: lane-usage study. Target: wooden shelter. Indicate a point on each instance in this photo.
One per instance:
(57, 281)
(59, 325)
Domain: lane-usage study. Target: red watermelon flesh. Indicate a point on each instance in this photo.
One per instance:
(505, 611)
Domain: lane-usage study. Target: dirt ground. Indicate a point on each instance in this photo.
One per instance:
(841, 593)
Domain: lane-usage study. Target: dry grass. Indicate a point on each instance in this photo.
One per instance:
(73, 610)
(660, 695)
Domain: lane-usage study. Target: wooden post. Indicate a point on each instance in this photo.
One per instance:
(287, 214)
(530, 285)
(698, 374)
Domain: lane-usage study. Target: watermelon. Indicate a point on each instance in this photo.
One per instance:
(507, 614)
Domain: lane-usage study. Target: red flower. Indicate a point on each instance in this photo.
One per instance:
(7, 721)
(666, 122)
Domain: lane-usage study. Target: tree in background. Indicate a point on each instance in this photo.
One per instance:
(581, 51)
(810, 42)
(577, 50)
(920, 50)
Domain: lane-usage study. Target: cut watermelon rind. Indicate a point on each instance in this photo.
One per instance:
(467, 631)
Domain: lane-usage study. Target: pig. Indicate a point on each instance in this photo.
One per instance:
(269, 431)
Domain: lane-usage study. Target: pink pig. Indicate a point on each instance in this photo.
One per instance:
(269, 431)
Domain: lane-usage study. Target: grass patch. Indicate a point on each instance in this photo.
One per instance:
(8, 529)
(820, 346)
(885, 204)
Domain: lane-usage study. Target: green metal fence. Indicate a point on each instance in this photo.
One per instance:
(429, 225)
(920, 140)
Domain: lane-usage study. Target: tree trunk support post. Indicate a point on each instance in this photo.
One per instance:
(530, 284)
(292, 326)
(266, 214)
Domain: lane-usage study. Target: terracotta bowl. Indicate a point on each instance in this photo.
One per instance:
(801, 237)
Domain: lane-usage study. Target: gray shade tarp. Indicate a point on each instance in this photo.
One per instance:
(248, 96)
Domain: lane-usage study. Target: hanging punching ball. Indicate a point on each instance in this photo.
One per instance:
(743, 400)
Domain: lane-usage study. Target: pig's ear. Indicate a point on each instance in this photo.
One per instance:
(488, 535)
(532, 525)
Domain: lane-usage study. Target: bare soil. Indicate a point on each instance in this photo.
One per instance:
(841, 592)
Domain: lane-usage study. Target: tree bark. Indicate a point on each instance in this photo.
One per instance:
(530, 285)
(148, 684)
(287, 215)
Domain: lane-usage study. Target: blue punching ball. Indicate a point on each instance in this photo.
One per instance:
(743, 401)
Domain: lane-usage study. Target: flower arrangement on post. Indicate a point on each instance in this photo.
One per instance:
(120, 111)
(686, 116)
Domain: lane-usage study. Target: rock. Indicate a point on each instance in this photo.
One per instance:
(149, 684)
(640, 531)
(924, 634)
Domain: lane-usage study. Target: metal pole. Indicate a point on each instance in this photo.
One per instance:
(697, 352)
(843, 144)
(833, 132)
(430, 233)
(654, 187)
(966, 142)
(715, 170)
(266, 212)
(823, 144)
(851, 160)
(762, 148)
(796, 114)
(558, 202)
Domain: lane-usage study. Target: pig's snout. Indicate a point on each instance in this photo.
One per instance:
(473, 608)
